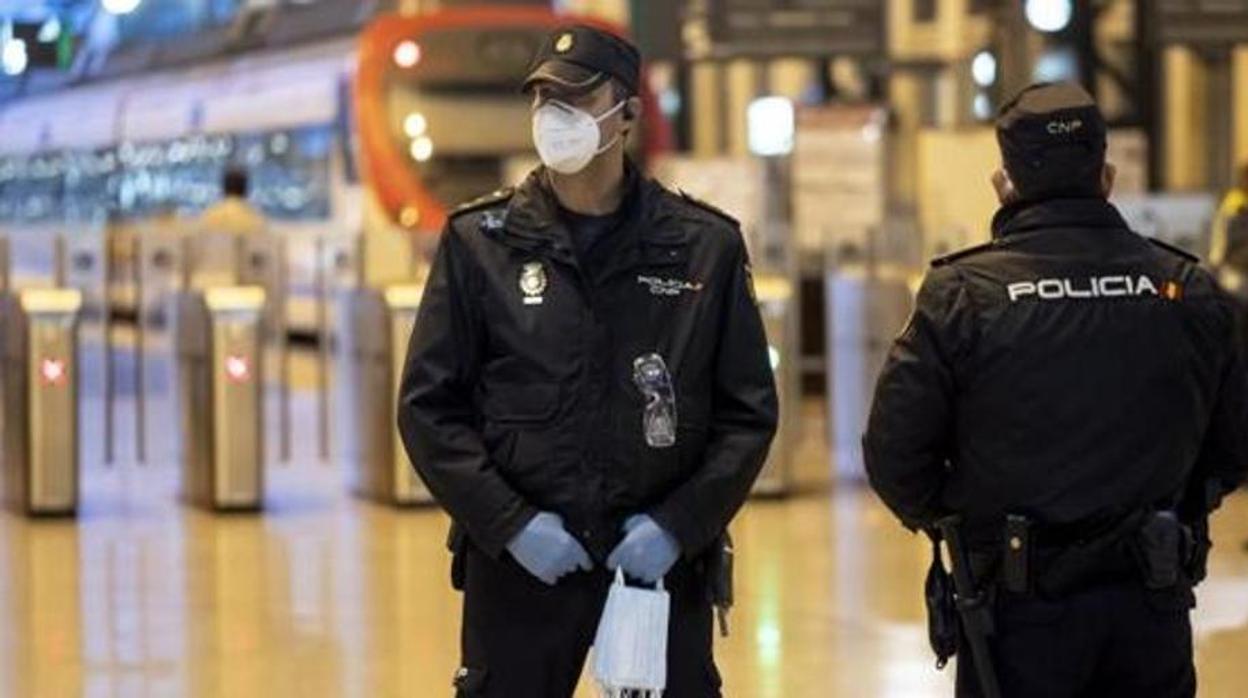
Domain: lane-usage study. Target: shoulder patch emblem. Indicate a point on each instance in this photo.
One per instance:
(493, 220)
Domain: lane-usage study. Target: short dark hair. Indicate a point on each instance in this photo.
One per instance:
(621, 91)
(234, 182)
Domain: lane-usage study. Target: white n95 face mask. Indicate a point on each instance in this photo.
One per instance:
(566, 137)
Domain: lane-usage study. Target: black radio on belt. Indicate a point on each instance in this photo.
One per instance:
(1016, 556)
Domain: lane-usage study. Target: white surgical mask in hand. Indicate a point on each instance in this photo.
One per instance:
(630, 649)
(566, 137)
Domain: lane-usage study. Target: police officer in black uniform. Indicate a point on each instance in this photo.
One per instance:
(587, 389)
(1073, 395)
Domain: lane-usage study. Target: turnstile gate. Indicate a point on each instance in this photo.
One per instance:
(777, 306)
(371, 331)
(219, 352)
(39, 383)
(867, 307)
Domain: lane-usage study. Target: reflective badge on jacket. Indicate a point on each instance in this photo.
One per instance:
(669, 287)
(533, 282)
(1093, 287)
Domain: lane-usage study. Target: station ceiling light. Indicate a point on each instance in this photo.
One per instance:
(982, 107)
(13, 57)
(50, 30)
(121, 7)
(770, 126)
(1056, 65)
(415, 125)
(409, 217)
(984, 68)
(407, 54)
(422, 149)
(1049, 15)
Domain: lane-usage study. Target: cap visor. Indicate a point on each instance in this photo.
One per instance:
(565, 74)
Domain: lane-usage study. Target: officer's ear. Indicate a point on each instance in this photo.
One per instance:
(632, 108)
(630, 113)
(1007, 193)
(1108, 176)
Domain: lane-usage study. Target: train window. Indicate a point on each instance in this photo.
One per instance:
(489, 59)
(457, 113)
(289, 171)
(290, 178)
(170, 177)
(30, 187)
(89, 184)
(441, 118)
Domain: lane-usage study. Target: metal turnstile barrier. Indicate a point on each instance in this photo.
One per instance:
(371, 331)
(777, 305)
(867, 307)
(218, 346)
(39, 376)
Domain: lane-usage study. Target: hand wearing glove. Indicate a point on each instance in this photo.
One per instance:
(548, 551)
(647, 551)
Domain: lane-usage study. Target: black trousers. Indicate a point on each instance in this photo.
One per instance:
(1120, 640)
(524, 639)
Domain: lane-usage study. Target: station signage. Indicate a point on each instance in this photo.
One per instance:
(1200, 22)
(763, 28)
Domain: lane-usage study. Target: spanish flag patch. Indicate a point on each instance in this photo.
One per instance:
(1172, 290)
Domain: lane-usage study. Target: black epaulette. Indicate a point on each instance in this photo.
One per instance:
(494, 197)
(961, 254)
(1175, 250)
(717, 212)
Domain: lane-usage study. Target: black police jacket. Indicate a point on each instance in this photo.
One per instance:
(518, 393)
(1070, 370)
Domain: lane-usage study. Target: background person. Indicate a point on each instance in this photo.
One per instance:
(233, 214)
(1229, 243)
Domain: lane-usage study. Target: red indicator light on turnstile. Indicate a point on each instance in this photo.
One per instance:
(52, 371)
(237, 368)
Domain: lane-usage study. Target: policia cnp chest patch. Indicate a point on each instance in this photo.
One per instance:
(663, 286)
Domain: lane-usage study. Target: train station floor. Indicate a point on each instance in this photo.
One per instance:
(327, 595)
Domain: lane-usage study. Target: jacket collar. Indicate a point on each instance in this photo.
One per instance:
(1078, 213)
(533, 221)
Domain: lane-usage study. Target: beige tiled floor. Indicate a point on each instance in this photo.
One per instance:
(325, 595)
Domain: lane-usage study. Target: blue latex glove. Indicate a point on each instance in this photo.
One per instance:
(647, 551)
(547, 550)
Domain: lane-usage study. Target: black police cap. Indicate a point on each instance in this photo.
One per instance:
(1053, 140)
(580, 57)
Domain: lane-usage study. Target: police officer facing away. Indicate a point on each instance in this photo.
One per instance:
(1073, 394)
(587, 388)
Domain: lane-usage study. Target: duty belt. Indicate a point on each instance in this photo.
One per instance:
(1055, 562)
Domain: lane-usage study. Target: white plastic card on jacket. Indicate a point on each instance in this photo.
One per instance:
(630, 649)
